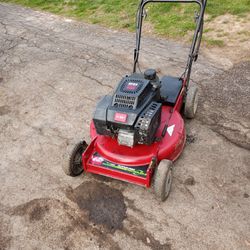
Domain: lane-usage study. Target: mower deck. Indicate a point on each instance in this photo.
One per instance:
(106, 157)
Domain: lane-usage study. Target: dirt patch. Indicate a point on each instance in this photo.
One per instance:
(59, 224)
(35, 210)
(135, 229)
(148, 28)
(104, 204)
(233, 33)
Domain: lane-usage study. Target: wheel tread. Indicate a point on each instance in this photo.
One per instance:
(69, 168)
(189, 108)
(160, 176)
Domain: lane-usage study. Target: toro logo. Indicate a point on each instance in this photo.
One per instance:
(131, 86)
(97, 160)
(120, 117)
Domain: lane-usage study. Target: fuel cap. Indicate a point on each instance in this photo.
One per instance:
(150, 74)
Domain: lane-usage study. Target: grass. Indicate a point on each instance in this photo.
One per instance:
(213, 42)
(171, 20)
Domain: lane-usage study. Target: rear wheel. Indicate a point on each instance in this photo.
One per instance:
(191, 102)
(163, 178)
(75, 167)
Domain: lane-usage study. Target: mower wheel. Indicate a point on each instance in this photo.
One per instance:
(75, 167)
(191, 102)
(163, 177)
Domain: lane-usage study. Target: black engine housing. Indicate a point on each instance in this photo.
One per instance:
(133, 113)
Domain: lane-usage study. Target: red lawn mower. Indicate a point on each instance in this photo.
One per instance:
(138, 132)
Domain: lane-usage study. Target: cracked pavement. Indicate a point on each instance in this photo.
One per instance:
(52, 72)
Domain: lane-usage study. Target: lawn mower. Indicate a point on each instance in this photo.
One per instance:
(138, 132)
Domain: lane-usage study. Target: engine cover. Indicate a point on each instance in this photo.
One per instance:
(132, 114)
(131, 93)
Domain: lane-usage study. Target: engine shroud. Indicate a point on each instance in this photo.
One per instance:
(131, 92)
(133, 113)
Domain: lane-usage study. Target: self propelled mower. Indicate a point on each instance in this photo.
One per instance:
(138, 132)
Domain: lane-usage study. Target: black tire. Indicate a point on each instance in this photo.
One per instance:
(191, 102)
(74, 167)
(163, 178)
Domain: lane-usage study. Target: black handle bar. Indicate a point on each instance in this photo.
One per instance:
(194, 50)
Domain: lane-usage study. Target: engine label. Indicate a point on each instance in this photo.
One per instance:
(120, 117)
(132, 86)
(100, 161)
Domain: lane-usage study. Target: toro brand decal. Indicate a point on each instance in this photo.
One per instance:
(131, 86)
(120, 117)
(97, 160)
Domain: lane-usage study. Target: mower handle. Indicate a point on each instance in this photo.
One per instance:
(194, 50)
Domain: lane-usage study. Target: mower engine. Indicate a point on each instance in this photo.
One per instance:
(133, 113)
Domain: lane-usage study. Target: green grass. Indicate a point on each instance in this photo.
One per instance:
(213, 42)
(171, 20)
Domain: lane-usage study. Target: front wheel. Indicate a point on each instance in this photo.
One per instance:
(75, 167)
(163, 178)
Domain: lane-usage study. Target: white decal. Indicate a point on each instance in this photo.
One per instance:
(170, 130)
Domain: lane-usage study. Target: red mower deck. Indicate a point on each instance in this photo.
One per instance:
(106, 157)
